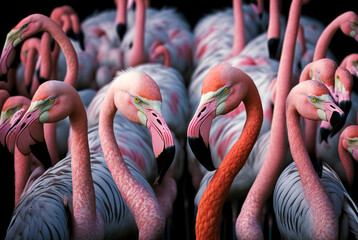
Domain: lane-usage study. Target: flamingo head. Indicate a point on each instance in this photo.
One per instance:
(52, 102)
(343, 88)
(23, 30)
(141, 102)
(223, 89)
(313, 101)
(350, 27)
(349, 140)
(12, 112)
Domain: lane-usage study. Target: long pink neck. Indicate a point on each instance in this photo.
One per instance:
(274, 30)
(326, 37)
(22, 173)
(347, 162)
(121, 16)
(142, 203)
(324, 224)
(67, 49)
(84, 199)
(210, 206)
(45, 53)
(249, 221)
(239, 28)
(138, 52)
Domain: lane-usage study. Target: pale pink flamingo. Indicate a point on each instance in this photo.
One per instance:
(139, 102)
(103, 211)
(312, 207)
(164, 27)
(248, 224)
(223, 89)
(350, 62)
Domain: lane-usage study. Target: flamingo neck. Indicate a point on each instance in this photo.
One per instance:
(45, 53)
(22, 173)
(30, 69)
(209, 209)
(84, 199)
(323, 219)
(142, 203)
(67, 49)
(274, 30)
(239, 28)
(270, 171)
(121, 15)
(326, 37)
(138, 52)
(347, 162)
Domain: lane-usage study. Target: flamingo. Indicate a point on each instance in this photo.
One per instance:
(313, 206)
(223, 89)
(140, 41)
(248, 223)
(105, 212)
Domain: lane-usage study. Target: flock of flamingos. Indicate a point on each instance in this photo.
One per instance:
(108, 124)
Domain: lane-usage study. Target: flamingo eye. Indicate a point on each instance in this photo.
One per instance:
(337, 77)
(313, 99)
(136, 99)
(311, 73)
(18, 107)
(354, 24)
(349, 141)
(226, 90)
(9, 110)
(51, 99)
(25, 26)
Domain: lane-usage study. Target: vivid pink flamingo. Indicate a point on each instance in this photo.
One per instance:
(248, 223)
(315, 207)
(223, 89)
(350, 62)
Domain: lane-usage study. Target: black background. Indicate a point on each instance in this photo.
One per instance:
(13, 11)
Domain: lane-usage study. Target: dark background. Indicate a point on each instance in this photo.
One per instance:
(13, 11)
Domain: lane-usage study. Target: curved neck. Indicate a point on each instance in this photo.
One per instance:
(273, 164)
(22, 173)
(324, 222)
(67, 49)
(121, 14)
(161, 50)
(84, 199)
(326, 37)
(138, 54)
(347, 162)
(209, 209)
(239, 28)
(142, 203)
(30, 65)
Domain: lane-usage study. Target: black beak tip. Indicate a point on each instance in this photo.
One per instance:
(337, 121)
(345, 106)
(273, 47)
(324, 133)
(121, 30)
(81, 39)
(202, 153)
(164, 161)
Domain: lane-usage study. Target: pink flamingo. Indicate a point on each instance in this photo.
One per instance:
(223, 89)
(26, 28)
(350, 62)
(248, 223)
(144, 109)
(315, 207)
(139, 43)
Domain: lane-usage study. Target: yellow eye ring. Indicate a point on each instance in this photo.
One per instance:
(9, 110)
(354, 23)
(51, 99)
(136, 99)
(337, 77)
(349, 141)
(311, 73)
(313, 99)
(226, 89)
(18, 107)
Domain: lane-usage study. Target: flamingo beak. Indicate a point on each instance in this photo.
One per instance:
(335, 116)
(121, 29)
(6, 136)
(199, 131)
(324, 130)
(29, 137)
(78, 36)
(162, 141)
(273, 47)
(8, 54)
